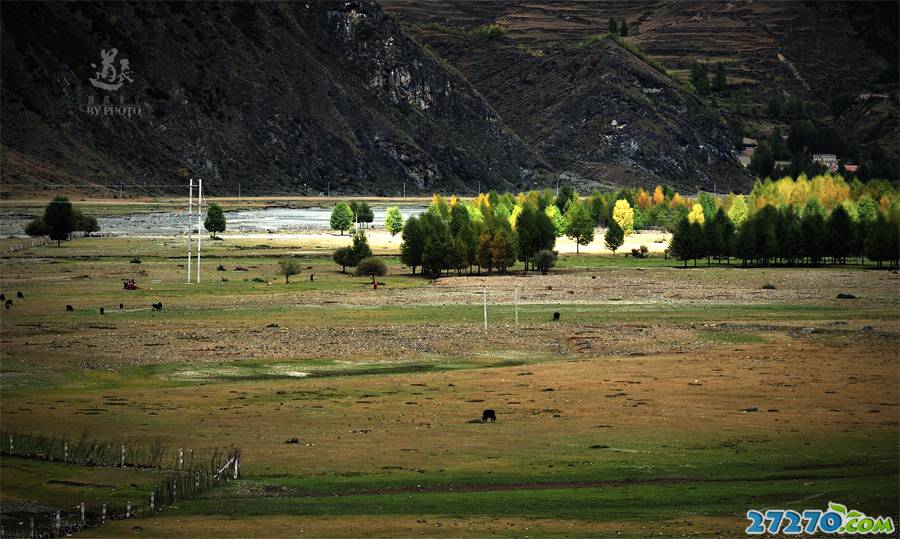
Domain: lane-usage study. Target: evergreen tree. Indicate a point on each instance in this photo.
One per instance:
(364, 213)
(814, 234)
(762, 163)
(37, 227)
(413, 243)
(341, 217)
(361, 246)
(59, 218)
(484, 251)
(580, 224)
(700, 78)
(535, 232)
(719, 80)
(393, 221)
(613, 26)
(688, 242)
(566, 195)
(623, 28)
(840, 235)
(867, 209)
(215, 219)
(614, 237)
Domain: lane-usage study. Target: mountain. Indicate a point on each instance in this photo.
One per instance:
(297, 98)
(801, 55)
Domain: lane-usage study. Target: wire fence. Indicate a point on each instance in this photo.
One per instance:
(185, 476)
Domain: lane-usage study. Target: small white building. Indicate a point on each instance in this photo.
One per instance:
(829, 160)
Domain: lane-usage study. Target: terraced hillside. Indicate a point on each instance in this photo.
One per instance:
(807, 51)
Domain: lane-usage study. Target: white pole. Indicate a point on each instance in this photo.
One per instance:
(190, 226)
(517, 305)
(199, 224)
(484, 303)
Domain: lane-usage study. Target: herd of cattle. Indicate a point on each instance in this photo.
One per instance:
(8, 304)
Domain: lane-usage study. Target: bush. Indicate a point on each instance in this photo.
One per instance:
(643, 252)
(488, 30)
(768, 286)
(37, 227)
(371, 266)
(135, 260)
(544, 260)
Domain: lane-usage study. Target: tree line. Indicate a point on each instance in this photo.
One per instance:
(784, 236)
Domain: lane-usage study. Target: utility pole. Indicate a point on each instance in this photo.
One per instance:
(484, 303)
(199, 223)
(404, 188)
(517, 305)
(190, 226)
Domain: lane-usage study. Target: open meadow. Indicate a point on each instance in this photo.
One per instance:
(664, 400)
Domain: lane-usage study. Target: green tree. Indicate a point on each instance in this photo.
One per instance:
(623, 28)
(614, 237)
(719, 79)
(85, 223)
(814, 235)
(393, 221)
(371, 265)
(566, 195)
(613, 26)
(484, 251)
(287, 267)
(413, 243)
(580, 225)
(738, 212)
(558, 220)
(840, 235)
(535, 232)
(867, 209)
(364, 213)
(344, 257)
(341, 217)
(361, 246)
(763, 162)
(59, 219)
(215, 219)
(700, 77)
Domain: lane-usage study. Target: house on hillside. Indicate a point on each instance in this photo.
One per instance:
(748, 148)
(828, 160)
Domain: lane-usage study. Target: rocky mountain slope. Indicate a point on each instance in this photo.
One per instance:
(812, 52)
(295, 98)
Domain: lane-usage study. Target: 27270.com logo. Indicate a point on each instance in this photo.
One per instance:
(837, 519)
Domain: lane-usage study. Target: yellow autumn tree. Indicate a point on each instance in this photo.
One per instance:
(623, 215)
(643, 199)
(453, 201)
(658, 196)
(884, 202)
(696, 214)
(482, 200)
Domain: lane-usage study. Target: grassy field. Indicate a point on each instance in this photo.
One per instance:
(665, 401)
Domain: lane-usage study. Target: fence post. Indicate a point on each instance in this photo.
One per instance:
(128, 510)
(103, 514)
(31, 527)
(123, 455)
(180, 458)
(10, 443)
(237, 464)
(82, 514)
(66, 453)
(58, 523)
(197, 480)
(152, 501)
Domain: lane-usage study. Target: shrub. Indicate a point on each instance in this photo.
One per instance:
(768, 286)
(488, 30)
(371, 266)
(135, 260)
(36, 227)
(544, 260)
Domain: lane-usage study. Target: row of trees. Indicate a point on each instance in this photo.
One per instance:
(774, 236)
(344, 215)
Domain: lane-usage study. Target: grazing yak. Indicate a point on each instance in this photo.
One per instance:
(102, 311)
(70, 309)
(157, 306)
(20, 295)
(8, 303)
(556, 316)
(488, 415)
